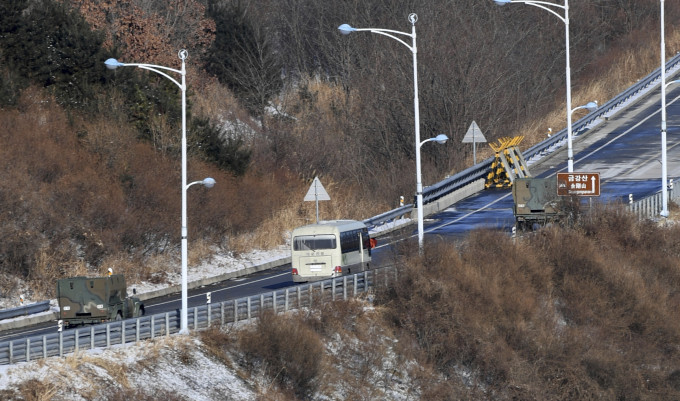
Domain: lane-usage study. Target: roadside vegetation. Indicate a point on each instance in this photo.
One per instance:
(276, 97)
(91, 179)
(565, 313)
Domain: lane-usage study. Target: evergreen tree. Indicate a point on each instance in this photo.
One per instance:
(225, 151)
(47, 43)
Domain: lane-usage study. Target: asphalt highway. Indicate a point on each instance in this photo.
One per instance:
(625, 150)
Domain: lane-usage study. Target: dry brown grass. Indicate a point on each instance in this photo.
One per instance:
(565, 313)
(9, 287)
(212, 99)
(37, 390)
(332, 348)
(69, 223)
(624, 69)
(292, 212)
(289, 352)
(86, 364)
(219, 341)
(271, 233)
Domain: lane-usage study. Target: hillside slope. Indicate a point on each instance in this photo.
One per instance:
(579, 313)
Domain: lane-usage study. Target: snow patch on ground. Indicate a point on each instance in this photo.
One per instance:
(153, 367)
(219, 263)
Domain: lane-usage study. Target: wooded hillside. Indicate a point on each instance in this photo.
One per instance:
(277, 96)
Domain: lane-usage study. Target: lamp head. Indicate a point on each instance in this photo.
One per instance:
(345, 29)
(591, 106)
(112, 64)
(441, 139)
(502, 2)
(208, 182)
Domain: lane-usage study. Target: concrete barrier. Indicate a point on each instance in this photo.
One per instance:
(212, 280)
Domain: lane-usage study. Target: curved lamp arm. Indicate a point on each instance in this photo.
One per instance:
(440, 139)
(590, 106)
(346, 29)
(540, 4)
(207, 182)
(112, 64)
(672, 82)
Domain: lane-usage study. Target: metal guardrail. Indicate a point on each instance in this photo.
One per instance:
(232, 311)
(467, 176)
(473, 173)
(388, 216)
(651, 206)
(25, 310)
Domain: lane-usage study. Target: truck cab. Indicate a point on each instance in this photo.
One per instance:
(536, 202)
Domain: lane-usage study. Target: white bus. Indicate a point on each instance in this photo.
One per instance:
(330, 249)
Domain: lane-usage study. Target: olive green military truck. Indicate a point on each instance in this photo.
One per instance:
(536, 202)
(88, 300)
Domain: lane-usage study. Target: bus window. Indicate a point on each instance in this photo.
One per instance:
(314, 242)
(349, 241)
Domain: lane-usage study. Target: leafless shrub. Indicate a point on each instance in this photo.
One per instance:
(10, 395)
(566, 313)
(185, 355)
(126, 394)
(286, 350)
(335, 317)
(44, 276)
(36, 390)
(9, 287)
(218, 341)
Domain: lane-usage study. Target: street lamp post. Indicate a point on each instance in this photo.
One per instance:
(440, 139)
(346, 29)
(664, 161)
(208, 182)
(550, 7)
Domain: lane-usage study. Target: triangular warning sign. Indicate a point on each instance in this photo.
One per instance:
(316, 192)
(474, 134)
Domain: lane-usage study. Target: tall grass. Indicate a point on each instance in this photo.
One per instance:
(614, 73)
(286, 350)
(566, 313)
(79, 195)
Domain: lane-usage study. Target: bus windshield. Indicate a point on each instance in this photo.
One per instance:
(314, 242)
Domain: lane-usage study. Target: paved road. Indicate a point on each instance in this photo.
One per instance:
(625, 150)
